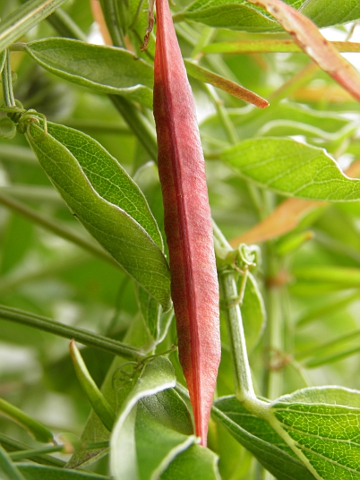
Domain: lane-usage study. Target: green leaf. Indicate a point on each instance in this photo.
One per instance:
(323, 424)
(96, 398)
(340, 276)
(7, 468)
(235, 15)
(292, 168)
(194, 463)
(157, 375)
(253, 312)
(327, 12)
(104, 69)
(37, 472)
(257, 436)
(239, 15)
(104, 198)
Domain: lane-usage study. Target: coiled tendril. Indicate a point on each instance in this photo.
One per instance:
(23, 119)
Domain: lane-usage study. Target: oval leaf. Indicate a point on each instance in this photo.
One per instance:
(104, 69)
(292, 168)
(114, 228)
(239, 15)
(157, 375)
(323, 424)
(259, 438)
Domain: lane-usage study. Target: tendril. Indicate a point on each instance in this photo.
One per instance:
(23, 119)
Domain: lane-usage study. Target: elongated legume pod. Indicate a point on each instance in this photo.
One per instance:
(188, 227)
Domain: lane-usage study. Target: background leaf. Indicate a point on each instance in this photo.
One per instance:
(292, 168)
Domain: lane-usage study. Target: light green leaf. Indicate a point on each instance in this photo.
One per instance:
(104, 69)
(194, 463)
(327, 12)
(323, 424)
(157, 375)
(37, 472)
(253, 312)
(163, 430)
(7, 468)
(96, 398)
(292, 168)
(239, 15)
(104, 198)
(260, 439)
(342, 277)
(235, 15)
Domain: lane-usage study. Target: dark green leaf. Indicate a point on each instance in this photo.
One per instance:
(87, 185)
(157, 375)
(104, 69)
(261, 440)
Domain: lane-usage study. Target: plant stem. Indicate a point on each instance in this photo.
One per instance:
(7, 82)
(13, 446)
(82, 336)
(65, 25)
(244, 389)
(110, 9)
(7, 467)
(138, 123)
(24, 18)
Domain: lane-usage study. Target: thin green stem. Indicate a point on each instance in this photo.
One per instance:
(24, 18)
(7, 82)
(113, 21)
(138, 123)
(54, 227)
(7, 467)
(65, 25)
(222, 112)
(12, 445)
(244, 389)
(82, 336)
(20, 455)
(269, 46)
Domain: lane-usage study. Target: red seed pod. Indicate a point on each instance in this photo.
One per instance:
(188, 225)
